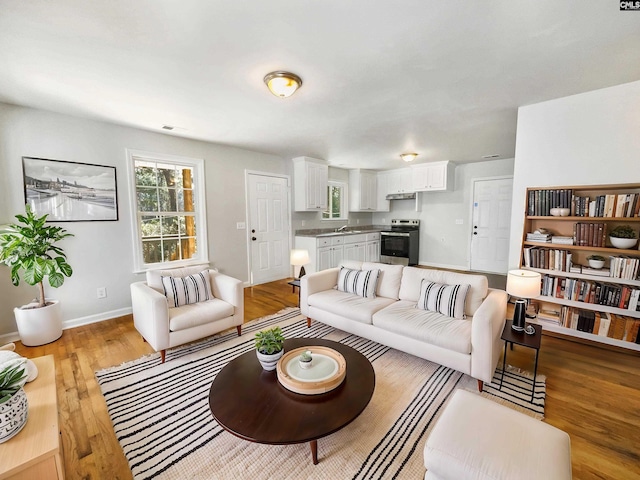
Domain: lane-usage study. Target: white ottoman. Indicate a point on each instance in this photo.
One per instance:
(476, 438)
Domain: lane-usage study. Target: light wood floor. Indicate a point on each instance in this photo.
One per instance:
(592, 393)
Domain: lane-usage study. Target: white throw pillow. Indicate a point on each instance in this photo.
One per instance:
(445, 299)
(186, 290)
(360, 282)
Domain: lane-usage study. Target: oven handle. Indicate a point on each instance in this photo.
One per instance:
(395, 234)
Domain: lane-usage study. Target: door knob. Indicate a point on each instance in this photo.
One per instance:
(475, 233)
(253, 230)
(253, 238)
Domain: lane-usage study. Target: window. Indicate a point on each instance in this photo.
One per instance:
(337, 202)
(168, 210)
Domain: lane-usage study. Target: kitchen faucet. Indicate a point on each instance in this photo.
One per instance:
(342, 228)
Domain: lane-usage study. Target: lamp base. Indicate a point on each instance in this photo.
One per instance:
(519, 315)
(302, 272)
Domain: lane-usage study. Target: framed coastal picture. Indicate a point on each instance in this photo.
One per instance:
(70, 191)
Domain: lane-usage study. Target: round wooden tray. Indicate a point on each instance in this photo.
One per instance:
(307, 382)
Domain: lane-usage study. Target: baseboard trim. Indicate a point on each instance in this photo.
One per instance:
(76, 322)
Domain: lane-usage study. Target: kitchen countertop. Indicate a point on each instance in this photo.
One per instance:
(330, 232)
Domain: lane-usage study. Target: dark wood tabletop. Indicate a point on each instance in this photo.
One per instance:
(250, 402)
(521, 338)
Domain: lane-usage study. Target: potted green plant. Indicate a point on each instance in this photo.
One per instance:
(30, 248)
(306, 360)
(623, 236)
(269, 347)
(13, 400)
(596, 261)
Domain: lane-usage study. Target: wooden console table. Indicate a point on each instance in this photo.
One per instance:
(36, 452)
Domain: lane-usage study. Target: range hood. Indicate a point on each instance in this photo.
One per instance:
(401, 196)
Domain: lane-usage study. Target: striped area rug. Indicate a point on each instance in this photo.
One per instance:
(160, 413)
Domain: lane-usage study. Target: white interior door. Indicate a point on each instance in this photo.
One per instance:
(269, 231)
(491, 224)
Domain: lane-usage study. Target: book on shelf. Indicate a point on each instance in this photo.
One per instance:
(619, 327)
(540, 202)
(558, 239)
(622, 266)
(539, 237)
(589, 234)
(546, 258)
(619, 205)
(599, 272)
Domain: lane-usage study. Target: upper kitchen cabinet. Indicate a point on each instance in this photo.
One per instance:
(363, 188)
(399, 181)
(311, 177)
(432, 177)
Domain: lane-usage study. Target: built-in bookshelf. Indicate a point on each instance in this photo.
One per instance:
(593, 211)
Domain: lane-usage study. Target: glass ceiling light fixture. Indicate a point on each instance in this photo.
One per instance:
(408, 157)
(282, 84)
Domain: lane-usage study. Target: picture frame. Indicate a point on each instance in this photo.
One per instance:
(70, 191)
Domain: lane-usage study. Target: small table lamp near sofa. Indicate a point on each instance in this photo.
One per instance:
(299, 258)
(525, 285)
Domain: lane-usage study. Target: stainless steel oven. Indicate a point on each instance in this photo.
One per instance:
(400, 244)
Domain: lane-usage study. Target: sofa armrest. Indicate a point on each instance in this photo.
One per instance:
(314, 283)
(150, 315)
(486, 328)
(229, 289)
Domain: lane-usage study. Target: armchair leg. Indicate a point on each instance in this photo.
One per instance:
(480, 385)
(239, 329)
(308, 322)
(163, 354)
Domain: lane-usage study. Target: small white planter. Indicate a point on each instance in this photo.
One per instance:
(39, 326)
(13, 415)
(623, 242)
(596, 263)
(269, 362)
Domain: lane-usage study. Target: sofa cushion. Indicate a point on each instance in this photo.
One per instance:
(154, 277)
(412, 279)
(404, 318)
(188, 316)
(360, 282)
(445, 299)
(348, 305)
(187, 290)
(388, 280)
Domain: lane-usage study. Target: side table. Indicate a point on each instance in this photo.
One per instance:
(295, 283)
(509, 335)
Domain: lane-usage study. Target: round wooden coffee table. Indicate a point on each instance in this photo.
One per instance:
(250, 402)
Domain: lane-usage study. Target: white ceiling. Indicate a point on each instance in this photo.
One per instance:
(442, 78)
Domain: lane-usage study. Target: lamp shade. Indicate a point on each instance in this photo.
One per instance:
(523, 283)
(299, 257)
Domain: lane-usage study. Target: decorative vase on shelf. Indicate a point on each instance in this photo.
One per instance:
(624, 243)
(13, 415)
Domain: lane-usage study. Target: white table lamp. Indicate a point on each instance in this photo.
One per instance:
(299, 258)
(523, 284)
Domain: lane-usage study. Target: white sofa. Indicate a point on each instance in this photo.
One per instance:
(471, 345)
(165, 327)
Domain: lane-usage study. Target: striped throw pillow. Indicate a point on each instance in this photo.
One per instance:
(187, 290)
(360, 282)
(445, 299)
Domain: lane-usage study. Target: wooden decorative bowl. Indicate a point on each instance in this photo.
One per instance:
(327, 372)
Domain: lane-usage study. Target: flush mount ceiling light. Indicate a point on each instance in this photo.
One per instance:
(408, 157)
(282, 84)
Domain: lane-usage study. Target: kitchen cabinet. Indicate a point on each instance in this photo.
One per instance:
(311, 179)
(363, 188)
(382, 204)
(328, 252)
(399, 181)
(432, 177)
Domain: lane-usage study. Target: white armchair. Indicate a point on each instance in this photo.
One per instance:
(163, 327)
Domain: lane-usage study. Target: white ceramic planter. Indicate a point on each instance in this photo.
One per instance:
(38, 326)
(269, 362)
(13, 415)
(596, 263)
(623, 242)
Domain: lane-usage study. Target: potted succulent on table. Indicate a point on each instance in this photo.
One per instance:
(596, 261)
(13, 400)
(623, 236)
(269, 347)
(30, 247)
(306, 360)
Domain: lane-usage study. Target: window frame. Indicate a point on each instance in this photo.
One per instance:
(199, 199)
(344, 207)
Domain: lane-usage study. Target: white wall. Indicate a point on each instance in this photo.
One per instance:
(586, 139)
(443, 243)
(101, 252)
